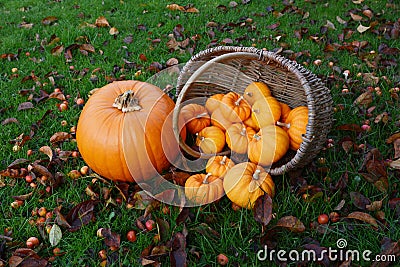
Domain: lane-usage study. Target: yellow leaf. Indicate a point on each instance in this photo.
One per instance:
(114, 31)
(102, 22)
(174, 7)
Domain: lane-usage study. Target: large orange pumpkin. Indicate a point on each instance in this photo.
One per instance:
(124, 132)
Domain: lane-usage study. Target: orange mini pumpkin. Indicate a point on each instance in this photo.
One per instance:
(196, 117)
(218, 165)
(217, 119)
(245, 182)
(124, 132)
(204, 188)
(234, 107)
(285, 110)
(255, 91)
(238, 137)
(296, 124)
(268, 146)
(266, 111)
(213, 102)
(211, 140)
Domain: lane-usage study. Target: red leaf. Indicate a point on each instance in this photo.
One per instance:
(263, 209)
(178, 251)
(81, 214)
(111, 239)
(291, 223)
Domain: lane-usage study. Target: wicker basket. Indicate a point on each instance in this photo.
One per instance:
(226, 68)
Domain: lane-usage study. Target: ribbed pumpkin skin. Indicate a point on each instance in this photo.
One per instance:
(234, 108)
(298, 119)
(217, 119)
(285, 110)
(131, 146)
(255, 91)
(200, 193)
(219, 165)
(266, 111)
(211, 140)
(238, 137)
(242, 189)
(196, 117)
(270, 145)
(213, 102)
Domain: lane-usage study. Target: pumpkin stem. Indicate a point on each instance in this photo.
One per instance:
(206, 177)
(287, 125)
(249, 94)
(204, 114)
(126, 102)
(223, 160)
(237, 102)
(256, 174)
(255, 110)
(243, 132)
(257, 137)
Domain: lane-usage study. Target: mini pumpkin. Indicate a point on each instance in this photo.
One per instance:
(213, 102)
(211, 140)
(196, 117)
(285, 110)
(218, 165)
(234, 107)
(238, 136)
(268, 146)
(296, 124)
(204, 188)
(266, 111)
(217, 119)
(247, 181)
(124, 132)
(255, 91)
(249, 122)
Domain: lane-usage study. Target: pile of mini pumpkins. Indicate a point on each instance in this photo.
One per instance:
(254, 124)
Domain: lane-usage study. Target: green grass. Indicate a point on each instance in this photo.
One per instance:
(239, 234)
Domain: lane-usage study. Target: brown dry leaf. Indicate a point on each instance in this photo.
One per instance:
(192, 10)
(364, 99)
(370, 78)
(25, 105)
(24, 257)
(87, 47)
(56, 51)
(59, 137)
(388, 247)
(359, 200)
(102, 22)
(362, 216)
(357, 2)
(111, 239)
(263, 209)
(350, 127)
(41, 170)
(362, 28)
(113, 31)
(374, 206)
(47, 151)
(291, 223)
(81, 214)
(174, 7)
(57, 95)
(356, 17)
(23, 197)
(178, 250)
(340, 20)
(395, 139)
(9, 120)
(49, 20)
(383, 117)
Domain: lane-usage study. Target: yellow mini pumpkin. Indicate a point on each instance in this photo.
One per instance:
(204, 188)
(218, 165)
(296, 124)
(255, 91)
(245, 182)
(217, 119)
(238, 137)
(234, 107)
(268, 146)
(211, 140)
(213, 102)
(266, 111)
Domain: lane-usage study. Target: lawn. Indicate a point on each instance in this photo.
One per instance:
(54, 53)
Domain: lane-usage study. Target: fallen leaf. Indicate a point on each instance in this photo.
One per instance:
(55, 235)
(340, 20)
(395, 164)
(192, 10)
(355, 17)
(47, 151)
(111, 239)
(183, 215)
(178, 251)
(362, 216)
(374, 206)
(359, 200)
(395, 140)
(163, 229)
(113, 31)
(57, 50)
(383, 117)
(59, 137)
(350, 127)
(362, 28)
(102, 22)
(388, 247)
(291, 223)
(263, 209)
(174, 7)
(25, 105)
(49, 20)
(23, 197)
(24, 257)
(364, 99)
(81, 214)
(87, 47)
(9, 120)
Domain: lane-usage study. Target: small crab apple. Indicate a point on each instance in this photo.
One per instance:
(131, 236)
(222, 259)
(323, 219)
(150, 225)
(32, 242)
